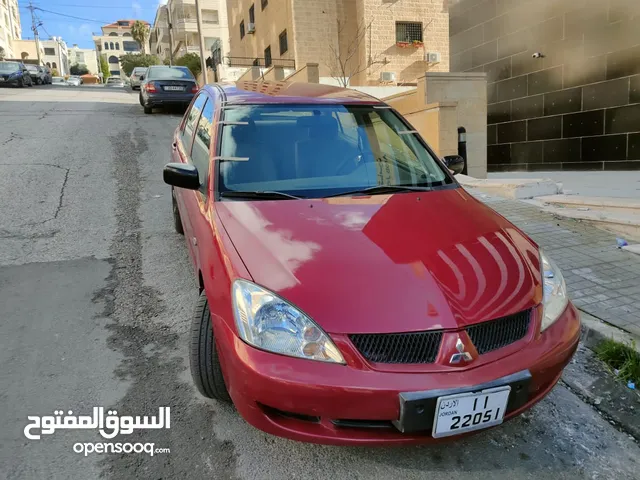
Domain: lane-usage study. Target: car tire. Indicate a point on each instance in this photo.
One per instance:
(38, 81)
(203, 354)
(177, 220)
(21, 83)
(147, 110)
(140, 100)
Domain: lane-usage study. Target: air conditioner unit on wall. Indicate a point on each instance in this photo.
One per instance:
(251, 28)
(432, 57)
(387, 76)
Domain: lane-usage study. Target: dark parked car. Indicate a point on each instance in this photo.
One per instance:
(37, 74)
(163, 85)
(48, 77)
(350, 290)
(15, 74)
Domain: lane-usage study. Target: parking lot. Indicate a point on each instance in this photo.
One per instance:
(96, 292)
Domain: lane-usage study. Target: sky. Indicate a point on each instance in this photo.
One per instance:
(56, 17)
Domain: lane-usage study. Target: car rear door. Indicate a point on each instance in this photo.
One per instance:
(181, 152)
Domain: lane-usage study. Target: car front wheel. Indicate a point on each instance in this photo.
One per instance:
(147, 110)
(203, 354)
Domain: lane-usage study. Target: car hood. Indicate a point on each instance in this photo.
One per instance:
(387, 263)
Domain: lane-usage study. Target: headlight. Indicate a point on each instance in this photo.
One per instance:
(555, 292)
(266, 321)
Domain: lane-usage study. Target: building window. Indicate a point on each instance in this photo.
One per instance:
(241, 30)
(106, 46)
(117, 46)
(49, 51)
(256, 62)
(264, 3)
(210, 17)
(111, 46)
(408, 31)
(126, 34)
(80, 57)
(130, 46)
(283, 42)
(252, 14)
(267, 56)
(123, 23)
(54, 65)
(113, 34)
(113, 59)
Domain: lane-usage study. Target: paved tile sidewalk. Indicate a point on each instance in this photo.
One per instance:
(602, 279)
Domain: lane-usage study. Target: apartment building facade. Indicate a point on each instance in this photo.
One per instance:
(215, 26)
(10, 27)
(56, 55)
(84, 56)
(159, 43)
(116, 40)
(563, 80)
(359, 42)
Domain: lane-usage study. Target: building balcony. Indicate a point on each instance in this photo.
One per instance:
(185, 25)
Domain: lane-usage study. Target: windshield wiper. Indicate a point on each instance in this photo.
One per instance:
(381, 189)
(257, 195)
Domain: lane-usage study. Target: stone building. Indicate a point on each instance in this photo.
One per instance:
(362, 42)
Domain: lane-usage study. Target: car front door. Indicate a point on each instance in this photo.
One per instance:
(181, 152)
(198, 201)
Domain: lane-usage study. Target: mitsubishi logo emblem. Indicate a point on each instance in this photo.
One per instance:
(461, 355)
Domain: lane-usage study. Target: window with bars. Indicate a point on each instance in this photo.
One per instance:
(264, 3)
(252, 14)
(409, 32)
(241, 30)
(284, 46)
(267, 56)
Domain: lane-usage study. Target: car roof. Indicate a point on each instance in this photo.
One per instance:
(264, 92)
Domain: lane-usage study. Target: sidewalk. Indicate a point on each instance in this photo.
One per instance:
(602, 280)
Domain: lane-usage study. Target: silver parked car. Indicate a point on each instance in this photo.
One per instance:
(137, 76)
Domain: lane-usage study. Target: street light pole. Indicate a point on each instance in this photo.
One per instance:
(203, 64)
(170, 25)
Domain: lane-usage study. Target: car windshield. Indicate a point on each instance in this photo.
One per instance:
(33, 68)
(168, 73)
(318, 151)
(9, 66)
(114, 80)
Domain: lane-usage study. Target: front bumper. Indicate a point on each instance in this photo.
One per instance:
(335, 404)
(13, 81)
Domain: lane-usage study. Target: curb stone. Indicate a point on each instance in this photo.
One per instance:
(591, 379)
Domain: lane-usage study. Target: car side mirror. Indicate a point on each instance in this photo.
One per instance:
(181, 175)
(455, 163)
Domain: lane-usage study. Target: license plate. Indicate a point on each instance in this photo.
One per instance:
(175, 89)
(465, 412)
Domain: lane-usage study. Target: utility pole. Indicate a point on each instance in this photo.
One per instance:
(34, 27)
(170, 34)
(203, 63)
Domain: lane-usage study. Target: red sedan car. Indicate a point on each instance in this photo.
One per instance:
(351, 292)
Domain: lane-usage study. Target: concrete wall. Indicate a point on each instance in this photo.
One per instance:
(575, 107)
(469, 91)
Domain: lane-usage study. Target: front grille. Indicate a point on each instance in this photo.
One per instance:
(495, 334)
(418, 347)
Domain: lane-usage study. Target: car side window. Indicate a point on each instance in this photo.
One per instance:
(201, 145)
(192, 118)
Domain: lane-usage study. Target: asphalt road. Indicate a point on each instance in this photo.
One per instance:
(95, 295)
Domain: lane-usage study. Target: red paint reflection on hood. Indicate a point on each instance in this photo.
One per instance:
(387, 263)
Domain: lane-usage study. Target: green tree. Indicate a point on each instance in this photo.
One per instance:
(2, 53)
(167, 61)
(140, 33)
(54, 73)
(130, 61)
(104, 67)
(76, 69)
(191, 61)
